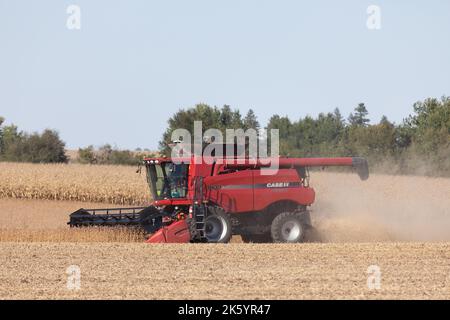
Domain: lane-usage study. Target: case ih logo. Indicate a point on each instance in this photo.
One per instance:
(278, 185)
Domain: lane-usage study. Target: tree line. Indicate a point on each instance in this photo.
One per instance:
(19, 146)
(47, 147)
(420, 144)
(106, 154)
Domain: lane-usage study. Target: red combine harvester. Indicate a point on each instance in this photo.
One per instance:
(211, 202)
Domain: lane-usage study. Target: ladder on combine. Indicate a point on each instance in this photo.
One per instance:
(199, 210)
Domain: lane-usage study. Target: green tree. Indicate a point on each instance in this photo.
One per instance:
(87, 155)
(359, 118)
(106, 154)
(11, 139)
(251, 121)
(226, 117)
(430, 124)
(37, 148)
(1, 135)
(45, 148)
(338, 116)
(284, 125)
(211, 117)
(329, 127)
(237, 122)
(124, 157)
(429, 129)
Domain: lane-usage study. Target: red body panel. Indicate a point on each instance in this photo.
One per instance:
(177, 232)
(249, 190)
(233, 191)
(286, 185)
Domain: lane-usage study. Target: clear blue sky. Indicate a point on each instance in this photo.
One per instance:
(134, 63)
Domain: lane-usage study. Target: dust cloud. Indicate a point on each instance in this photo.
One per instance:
(382, 208)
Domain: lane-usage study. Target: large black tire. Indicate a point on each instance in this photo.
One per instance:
(256, 238)
(218, 227)
(288, 227)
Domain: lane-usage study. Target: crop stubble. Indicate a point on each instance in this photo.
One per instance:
(233, 271)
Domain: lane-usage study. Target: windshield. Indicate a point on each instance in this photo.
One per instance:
(167, 180)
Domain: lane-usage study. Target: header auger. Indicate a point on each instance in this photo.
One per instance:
(210, 202)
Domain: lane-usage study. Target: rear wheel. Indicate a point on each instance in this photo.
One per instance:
(217, 226)
(288, 227)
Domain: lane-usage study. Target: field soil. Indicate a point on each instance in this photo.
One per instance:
(40, 214)
(233, 271)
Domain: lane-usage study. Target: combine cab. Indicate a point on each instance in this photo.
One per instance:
(213, 200)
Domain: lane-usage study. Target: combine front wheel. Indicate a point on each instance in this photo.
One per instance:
(217, 226)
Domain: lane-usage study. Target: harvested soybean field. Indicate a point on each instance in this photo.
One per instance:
(398, 224)
(232, 271)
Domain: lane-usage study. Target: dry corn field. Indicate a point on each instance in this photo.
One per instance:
(74, 182)
(401, 224)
